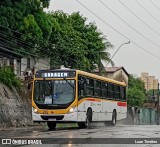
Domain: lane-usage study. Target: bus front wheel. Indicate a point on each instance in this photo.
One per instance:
(88, 120)
(51, 125)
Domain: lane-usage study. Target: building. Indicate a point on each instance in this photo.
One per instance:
(149, 81)
(10, 58)
(31, 65)
(20, 64)
(116, 73)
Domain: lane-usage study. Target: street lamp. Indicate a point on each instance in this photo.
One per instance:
(117, 51)
(158, 105)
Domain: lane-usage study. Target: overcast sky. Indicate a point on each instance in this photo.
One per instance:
(137, 21)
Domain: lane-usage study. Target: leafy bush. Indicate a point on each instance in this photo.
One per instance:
(8, 77)
(135, 97)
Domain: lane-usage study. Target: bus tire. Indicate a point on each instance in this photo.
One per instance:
(113, 121)
(87, 123)
(81, 125)
(114, 118)
(51, 125)
(88, 118)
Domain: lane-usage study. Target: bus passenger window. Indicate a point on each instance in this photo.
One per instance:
(117, 92)
(89, 87)
(104, 90)
(81, 86)
(123, 93)
(97, 88)
(111, 91)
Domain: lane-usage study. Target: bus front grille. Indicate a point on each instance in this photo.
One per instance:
(60, 117)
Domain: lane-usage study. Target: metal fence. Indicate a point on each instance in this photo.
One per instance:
(147, 116)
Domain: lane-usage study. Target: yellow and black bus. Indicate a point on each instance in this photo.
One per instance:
(68, 95)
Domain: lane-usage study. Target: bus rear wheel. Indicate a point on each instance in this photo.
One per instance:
(51, 125)
(113, 121)
(114, 118)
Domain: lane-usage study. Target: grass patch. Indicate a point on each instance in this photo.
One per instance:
(66, 125)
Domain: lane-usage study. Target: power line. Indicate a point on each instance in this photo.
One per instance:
(139, 18)
(147, 11)
(155, 5)
(21, 34)
(117, 30)
(6, 48)
(11, 29)
(128, 24)
(20, 40)
(17, 41)
(12, 45)
(25, 34)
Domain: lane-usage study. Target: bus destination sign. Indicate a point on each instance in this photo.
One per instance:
(54, 74)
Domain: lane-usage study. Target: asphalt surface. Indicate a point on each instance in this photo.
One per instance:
(97, 135)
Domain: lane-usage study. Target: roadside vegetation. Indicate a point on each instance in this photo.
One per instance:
(67, 40)
(136, 92)
(8, 78)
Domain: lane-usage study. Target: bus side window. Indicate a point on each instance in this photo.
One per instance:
(123, 93)
(117, 92)
(104, 90)
(89, 87)
(81, 86)
(111, 91)
(97, 88)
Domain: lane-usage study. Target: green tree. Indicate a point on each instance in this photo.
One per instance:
(135, 92)
(76, 43)
(135, 97)
(22, 26)
(135, 82)
(66, 39)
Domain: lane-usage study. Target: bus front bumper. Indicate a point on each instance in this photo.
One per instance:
(69, 117)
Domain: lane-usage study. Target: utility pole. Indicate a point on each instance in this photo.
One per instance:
(99, 64)
(158, 105)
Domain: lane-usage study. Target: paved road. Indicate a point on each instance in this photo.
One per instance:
(97, 135)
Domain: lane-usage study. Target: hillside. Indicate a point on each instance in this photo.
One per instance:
(15, 107)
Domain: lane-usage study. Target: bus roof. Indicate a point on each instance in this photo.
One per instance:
(85, 74)
(100, 77)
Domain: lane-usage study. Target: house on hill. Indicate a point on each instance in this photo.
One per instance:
(22, 65)
(116, 73)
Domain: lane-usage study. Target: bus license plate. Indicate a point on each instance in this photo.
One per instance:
(52, 119)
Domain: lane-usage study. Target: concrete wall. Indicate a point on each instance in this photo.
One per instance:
(23, 65)
(15, 107)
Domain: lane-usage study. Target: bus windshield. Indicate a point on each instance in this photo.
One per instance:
(54, 92)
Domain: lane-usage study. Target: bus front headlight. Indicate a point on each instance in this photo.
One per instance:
(35, 110)
(71, 110)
